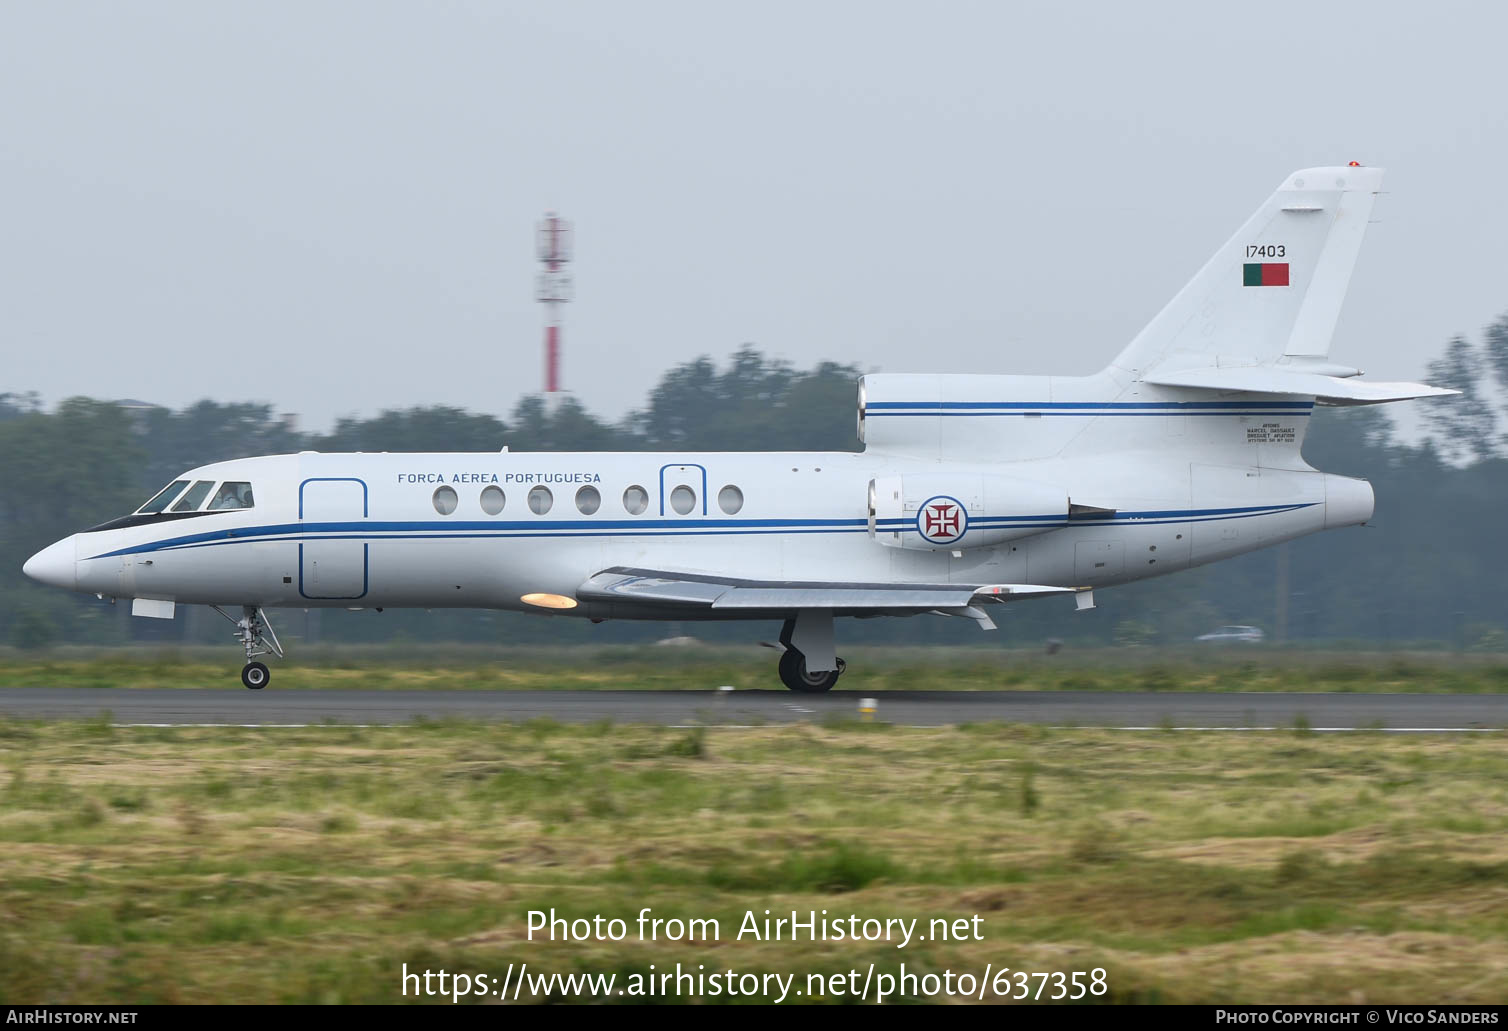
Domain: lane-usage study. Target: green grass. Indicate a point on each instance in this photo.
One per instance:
(697, 667)
(308, 864)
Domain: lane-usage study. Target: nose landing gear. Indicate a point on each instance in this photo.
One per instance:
(256, 635)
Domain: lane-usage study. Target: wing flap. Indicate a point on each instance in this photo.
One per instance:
(670, 589)
(1004, 592)
(823, 596)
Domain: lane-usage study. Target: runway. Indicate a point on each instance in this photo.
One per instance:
(1125, 710)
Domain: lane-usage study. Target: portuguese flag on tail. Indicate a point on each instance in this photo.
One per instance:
(1264, 273)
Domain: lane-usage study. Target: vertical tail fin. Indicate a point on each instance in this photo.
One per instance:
(1274, 290)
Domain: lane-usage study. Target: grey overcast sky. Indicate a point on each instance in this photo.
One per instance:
(329, 206)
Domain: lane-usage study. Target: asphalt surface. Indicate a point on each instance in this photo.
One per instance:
(239, 707)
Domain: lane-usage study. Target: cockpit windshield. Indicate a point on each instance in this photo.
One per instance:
(164, 497)
(232, 494)
(195, 497)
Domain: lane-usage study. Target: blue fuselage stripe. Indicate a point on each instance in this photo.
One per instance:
(435, 530)
(1083, 415)
(1094, 407)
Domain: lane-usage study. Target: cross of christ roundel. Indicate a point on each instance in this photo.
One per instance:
(942, 520)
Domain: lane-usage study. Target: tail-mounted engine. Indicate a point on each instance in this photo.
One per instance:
(950, 511)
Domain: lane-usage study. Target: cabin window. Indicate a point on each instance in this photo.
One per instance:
(195, 497)
(540, 500)
(635, 500)
(730, 499)
(683, 499)
(588, 500)
(232, 494)
(446, 500)
(164, 496)
(493, 500)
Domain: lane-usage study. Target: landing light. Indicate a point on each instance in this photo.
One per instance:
(549, 601)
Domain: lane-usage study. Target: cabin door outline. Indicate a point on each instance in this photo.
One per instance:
(334, 567)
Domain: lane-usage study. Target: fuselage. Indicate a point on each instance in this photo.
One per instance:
(488, 530)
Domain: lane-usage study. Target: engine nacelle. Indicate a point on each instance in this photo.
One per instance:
(953, 511)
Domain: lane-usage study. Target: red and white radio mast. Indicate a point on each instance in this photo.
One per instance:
(552, 289)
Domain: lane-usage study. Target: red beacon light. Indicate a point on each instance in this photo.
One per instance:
(1353, 164)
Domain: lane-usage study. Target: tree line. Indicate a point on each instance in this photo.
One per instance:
(1428, 572)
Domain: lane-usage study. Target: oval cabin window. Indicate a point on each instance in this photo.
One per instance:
(540, 500)
(683, 500)
(493, 500)
(445, 500)
(730, 499)
(588, 500)
(635, 500)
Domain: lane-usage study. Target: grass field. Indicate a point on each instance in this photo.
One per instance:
(203, 865)
(649, 667)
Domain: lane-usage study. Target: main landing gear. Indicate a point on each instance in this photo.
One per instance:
(795, 675)
(256, 635)
(815, 631)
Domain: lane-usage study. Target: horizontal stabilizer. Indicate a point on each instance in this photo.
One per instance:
(1267, 379)
(690, 590)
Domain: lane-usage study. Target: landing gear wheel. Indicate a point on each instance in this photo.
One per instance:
(256, 635)
(794, 674)
(255, 676)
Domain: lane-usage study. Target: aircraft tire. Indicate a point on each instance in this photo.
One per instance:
(255, 676)
(794, 675)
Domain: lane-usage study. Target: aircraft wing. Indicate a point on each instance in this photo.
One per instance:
(694, 590)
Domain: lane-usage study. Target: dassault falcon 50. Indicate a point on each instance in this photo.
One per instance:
(971, 490)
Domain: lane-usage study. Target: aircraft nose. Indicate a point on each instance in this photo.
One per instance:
(55, 565)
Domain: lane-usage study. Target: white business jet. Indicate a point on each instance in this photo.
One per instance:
(971, 491)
